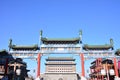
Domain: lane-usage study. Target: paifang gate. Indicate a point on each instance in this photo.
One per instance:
(64, 45)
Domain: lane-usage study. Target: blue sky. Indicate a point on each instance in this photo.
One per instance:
(22, 20)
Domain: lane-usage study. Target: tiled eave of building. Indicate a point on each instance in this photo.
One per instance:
(93, 66)
(60, 40)
(4, 54)
(97, 47)
(104, 61)
(60, 63)
(60, 59)
(117, 52)
(25, 47)
(17, 62)
(95, 74)
(93, 62)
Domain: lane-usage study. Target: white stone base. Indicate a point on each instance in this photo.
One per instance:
(63, 76)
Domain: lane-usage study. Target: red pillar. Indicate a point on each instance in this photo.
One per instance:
(38, 64)
(115, 67)
(6, 66)
(82, 64)
(102, 77)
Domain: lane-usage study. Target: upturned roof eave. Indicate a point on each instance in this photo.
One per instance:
(60, 39)
(3, 50)
(24, 46)
(117, 52)
(105, 46)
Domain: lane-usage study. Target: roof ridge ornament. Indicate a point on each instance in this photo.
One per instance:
(41, 32)
(80, 35)
(10, 44)
(111, 43)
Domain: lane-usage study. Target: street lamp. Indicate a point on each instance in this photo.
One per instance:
(112, 72)
(18, 72)
(103, 72)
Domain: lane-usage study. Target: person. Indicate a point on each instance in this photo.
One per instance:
(116, 78)
(37, 78)
(5, 77)
(83, 78)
